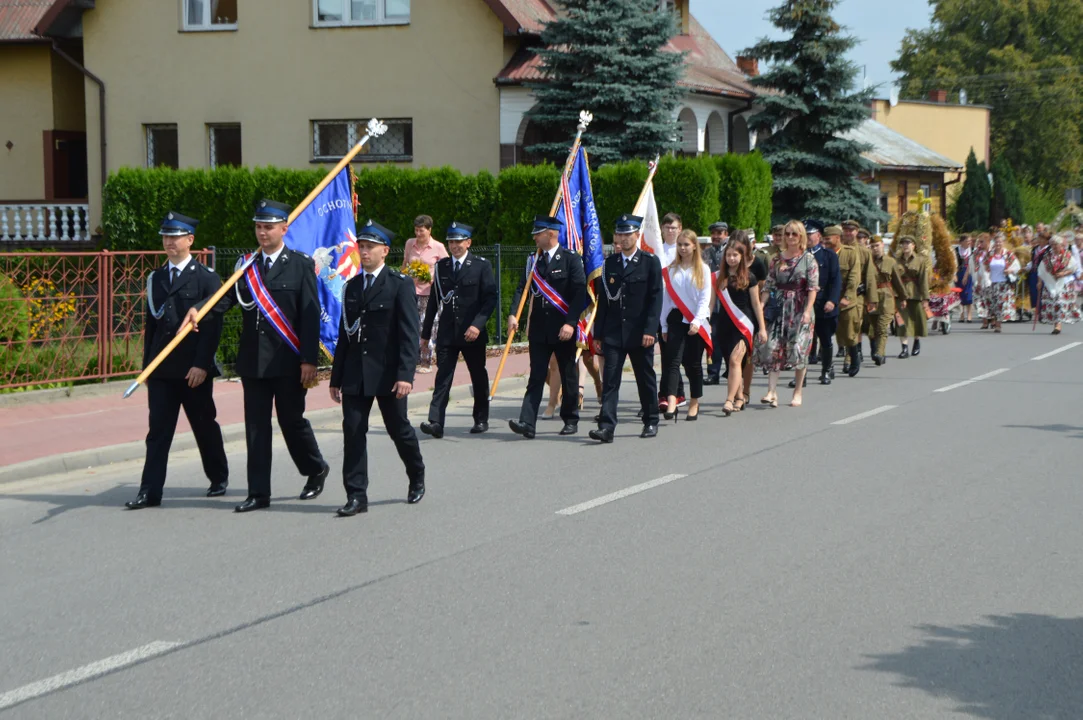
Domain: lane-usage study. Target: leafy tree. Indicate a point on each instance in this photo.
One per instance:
(607, 56)
(974, 200)
(1021, 58)
(809, 105)
(1007, 200)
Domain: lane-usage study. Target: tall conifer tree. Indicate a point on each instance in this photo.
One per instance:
(972, 205)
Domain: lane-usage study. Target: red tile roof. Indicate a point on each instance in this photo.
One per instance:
(19, 17)
(708, 69)
(522, 16)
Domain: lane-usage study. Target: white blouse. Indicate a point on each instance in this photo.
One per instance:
(695, 299)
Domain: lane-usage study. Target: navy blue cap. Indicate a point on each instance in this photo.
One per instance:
(373, 231)
(812, 226)
(176, 225)
(628, 224)
(544, 222)
(269, 211)
(459, 231)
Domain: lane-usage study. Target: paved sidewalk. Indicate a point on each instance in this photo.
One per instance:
(42, 435)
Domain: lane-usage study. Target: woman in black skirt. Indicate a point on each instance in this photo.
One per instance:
(741, 319)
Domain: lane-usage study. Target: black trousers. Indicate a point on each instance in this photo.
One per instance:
(824, 329)
(682, 349)
(446, 360)
(714, 367)
(662, 344)
(540, 352)
(288, 397)
(165, 399)
(355, 425)
(646, 382)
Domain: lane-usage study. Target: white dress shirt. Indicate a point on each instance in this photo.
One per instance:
(180, 268)
(695, 299)
(273, 256)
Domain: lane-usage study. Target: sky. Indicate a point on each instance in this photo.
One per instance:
(879, 24)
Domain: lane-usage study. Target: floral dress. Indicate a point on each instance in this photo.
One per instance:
(788, 337)
(1062, 308)
(1000, 295)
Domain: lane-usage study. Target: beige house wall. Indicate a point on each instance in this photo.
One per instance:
(25, 113)
(951, 130)
(69, 101)
(889, 181)
(276, 73)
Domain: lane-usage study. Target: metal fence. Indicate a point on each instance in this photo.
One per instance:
(68, 317)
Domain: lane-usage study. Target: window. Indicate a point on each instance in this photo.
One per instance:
(161, 146)
(883, 202)
(225, 145)
(209, 14)
(331, 139)
(927, 192)
(360, 12)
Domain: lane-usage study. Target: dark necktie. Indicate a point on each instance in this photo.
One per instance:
(455, 269)
(543, 263)
(266, 264)
(369, 279)
(173, 273)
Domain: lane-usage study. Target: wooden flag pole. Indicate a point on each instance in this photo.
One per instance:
(374, 129)
(584, 120)
(652, 168)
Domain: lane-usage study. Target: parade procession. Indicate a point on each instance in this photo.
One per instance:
(516, 359)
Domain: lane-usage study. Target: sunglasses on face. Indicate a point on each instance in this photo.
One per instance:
(791, 234)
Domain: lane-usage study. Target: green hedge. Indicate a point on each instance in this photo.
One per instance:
(701, 190)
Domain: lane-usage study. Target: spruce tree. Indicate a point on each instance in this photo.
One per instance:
(810, 105)
(1007, 200)
(606, 56)
(973, 204)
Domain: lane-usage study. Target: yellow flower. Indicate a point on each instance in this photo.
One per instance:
(419, 271)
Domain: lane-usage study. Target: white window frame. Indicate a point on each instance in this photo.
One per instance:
(381, 17)
(204, 26)
(148, 129)
(355, 130)
(212, 144)
(927, 189)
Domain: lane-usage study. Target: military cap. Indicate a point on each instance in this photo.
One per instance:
(850, 224)
(373, 231)
(459, 231)
(863, 231)
(546, 222)
(269, 211)
(627, 224)
(175, 224)
(813, 226)
(719, 227)
(906, 239)
(832, 231)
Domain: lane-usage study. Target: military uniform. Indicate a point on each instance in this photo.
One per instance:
(171, 292)
(890, 294)
(830, 289)
(851, 306)
(463, 296)
(270, 369)
(915, 277)
(378, 347)
(563, 271)
(629, 294)
(865, 292)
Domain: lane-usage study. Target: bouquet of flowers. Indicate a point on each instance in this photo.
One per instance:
(418, 271)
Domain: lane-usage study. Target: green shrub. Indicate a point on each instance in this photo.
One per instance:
(1040, 205)
(616, 190)
(14, 318)
(688, 187)
(523, 191)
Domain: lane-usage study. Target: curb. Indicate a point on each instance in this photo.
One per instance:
(125, 452)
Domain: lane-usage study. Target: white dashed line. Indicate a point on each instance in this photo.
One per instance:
(1058, 351)
(582, 507)
(82, 674)
(971, 381)
(862, 416)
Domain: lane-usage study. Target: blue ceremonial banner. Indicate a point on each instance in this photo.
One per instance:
(325, 230)
(581, 231)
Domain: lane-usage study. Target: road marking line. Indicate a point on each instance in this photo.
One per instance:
(971, 381)
(73, 677)
(1069, 346)
(862, 416)
(582, 507)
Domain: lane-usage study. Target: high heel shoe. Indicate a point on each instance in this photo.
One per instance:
(771, 401)
(674, 416)
(727, 408)
(739, 404)
(692, 418)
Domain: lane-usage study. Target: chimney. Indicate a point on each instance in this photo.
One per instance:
(938, 96)
(748, 65)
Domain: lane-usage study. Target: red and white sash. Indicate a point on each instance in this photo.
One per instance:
(688, 316)
(546, 290)
(740, 320)
(269, 308)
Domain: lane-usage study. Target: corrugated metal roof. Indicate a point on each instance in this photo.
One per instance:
(893, 150)
(18, 18)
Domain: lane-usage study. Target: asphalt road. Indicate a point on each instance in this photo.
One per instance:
(918, 562)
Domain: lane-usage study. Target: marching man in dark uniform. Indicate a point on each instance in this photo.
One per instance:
(629, 307)
(559, 295)
(375, 359)
(827, 300)
(185, 378)
(277, 355)
(464, 294)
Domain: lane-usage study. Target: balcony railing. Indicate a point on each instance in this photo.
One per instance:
(43, 222)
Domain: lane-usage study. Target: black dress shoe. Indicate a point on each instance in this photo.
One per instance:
(905, 353)
(521, 428)
(711, 380)
(314, 486)
(352, 507)
(253, 504)
(649, 431)
(434, 429)
(416, 493)
(878, 359)
(569, 429)
(825, 379)
(142, 500)
(217, 489)
(917, 347)
(831, 372)
(855, 362)
(605, 435)
(479, 428)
